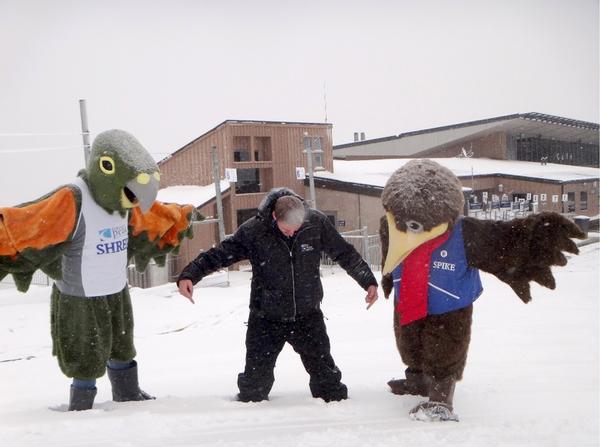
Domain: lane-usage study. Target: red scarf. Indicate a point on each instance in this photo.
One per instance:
(414, 286)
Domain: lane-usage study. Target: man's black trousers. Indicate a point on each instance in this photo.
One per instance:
(308, 336)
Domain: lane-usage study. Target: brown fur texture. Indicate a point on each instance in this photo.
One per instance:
(425, 192)
(387, 283)
(519, 251)
(437, 345)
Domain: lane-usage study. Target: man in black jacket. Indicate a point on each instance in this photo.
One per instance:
(283, 242)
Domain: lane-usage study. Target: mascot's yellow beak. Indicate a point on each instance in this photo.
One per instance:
(141, 191)
(401, 244)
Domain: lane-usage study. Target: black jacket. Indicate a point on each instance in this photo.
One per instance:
(285, 277)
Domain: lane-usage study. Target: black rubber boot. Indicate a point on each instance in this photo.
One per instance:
(249, 398)
(81, 398)
(125, 386)
(416, 384)
(330, 393)
(255, 388)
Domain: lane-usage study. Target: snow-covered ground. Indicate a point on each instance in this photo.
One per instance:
(531, 379)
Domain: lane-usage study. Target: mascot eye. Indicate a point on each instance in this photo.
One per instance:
(107, 165)
(413, 226)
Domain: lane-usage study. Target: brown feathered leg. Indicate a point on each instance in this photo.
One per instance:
(445, 343)
(408, 342)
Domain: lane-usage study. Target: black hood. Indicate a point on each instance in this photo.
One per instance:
(265, 209)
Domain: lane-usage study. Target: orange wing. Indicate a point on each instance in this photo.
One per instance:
(38, 225)
(159, 231)
(34, 235)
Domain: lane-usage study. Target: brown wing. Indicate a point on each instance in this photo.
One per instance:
(521, 250)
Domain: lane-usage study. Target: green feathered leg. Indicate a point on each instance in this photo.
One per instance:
(87, 332)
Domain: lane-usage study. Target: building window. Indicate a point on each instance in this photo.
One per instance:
(332, 216)
(318, 152)
(570, 202)
(244, 214)
(583, 201)
(241, 148)
(248, 181)
(241, 155)
(316, 146)
(318, 161)
(536, 148)
(262, 149)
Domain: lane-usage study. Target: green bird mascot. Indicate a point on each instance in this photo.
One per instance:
(82, 235)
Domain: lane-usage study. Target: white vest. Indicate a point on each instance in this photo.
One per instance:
(95, 263)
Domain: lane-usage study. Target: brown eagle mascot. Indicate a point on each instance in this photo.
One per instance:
(431, 259)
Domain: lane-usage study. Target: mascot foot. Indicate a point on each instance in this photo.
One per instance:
(405, 386)
(433, 412)
(125, 386)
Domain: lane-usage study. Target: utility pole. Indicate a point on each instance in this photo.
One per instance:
(217, 180)
(84, 130)
(311, 179)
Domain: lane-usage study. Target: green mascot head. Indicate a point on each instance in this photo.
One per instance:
(120, 173)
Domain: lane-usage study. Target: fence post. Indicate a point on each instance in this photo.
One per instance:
(365, 237)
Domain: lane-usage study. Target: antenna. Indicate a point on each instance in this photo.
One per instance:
(325, 98)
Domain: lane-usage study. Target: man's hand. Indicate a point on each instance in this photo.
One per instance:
(186, 288)
(371, 296)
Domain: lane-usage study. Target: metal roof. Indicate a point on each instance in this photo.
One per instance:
(528, 124)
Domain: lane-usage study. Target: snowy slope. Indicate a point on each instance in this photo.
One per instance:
(531, 379)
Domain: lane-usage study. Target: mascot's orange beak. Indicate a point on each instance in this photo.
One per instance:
(401, 244)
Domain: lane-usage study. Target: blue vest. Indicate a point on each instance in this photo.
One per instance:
(452, 283)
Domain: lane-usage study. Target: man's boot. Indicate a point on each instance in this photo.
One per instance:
(125, 386)
(416, 384)
(330, 393)
(439, 407)
(81, 398)
(254, 389)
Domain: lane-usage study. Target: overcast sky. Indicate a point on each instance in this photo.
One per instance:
(168, 71)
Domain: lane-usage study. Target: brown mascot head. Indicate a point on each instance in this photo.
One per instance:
(422, 200)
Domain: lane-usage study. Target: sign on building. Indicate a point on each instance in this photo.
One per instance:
(300, 173)
(231, 174)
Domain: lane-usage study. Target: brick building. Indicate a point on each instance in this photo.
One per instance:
(497, 160)
(264, 154)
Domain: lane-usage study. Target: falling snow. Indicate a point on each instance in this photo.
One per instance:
(531, 378)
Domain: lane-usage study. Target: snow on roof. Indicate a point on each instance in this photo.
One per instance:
(377, 172)
(192, 194)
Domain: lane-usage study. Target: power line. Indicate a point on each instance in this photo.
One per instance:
(30, 134)
(38, 149)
